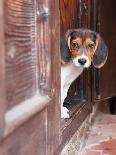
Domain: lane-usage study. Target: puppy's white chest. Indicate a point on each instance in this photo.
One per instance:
(69, 73)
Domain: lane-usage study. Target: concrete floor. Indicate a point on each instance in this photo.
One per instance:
(102, 136)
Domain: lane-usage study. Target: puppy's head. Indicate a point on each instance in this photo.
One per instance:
(86, 46)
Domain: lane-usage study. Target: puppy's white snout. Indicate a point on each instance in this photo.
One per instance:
(82, 61)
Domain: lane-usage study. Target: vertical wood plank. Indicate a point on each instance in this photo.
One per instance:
(44, 45)
(69, 14)
(2, 71)
(105, 83)
(54, 117)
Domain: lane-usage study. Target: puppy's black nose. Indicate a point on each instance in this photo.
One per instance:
(82, 61)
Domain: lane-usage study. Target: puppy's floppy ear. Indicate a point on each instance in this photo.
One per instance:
(65, 52)
(68, 36)
(101, 53)
(65, 47)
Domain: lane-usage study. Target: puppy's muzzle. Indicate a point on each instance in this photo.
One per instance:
(82, 61)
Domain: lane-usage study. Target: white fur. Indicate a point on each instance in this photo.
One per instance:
(76, 63)
(69, 73)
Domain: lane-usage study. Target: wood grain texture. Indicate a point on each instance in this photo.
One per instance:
(104, 79)
(69, 14)
(29, 139)
(75, 122)
(21, 55)
(74, 14)
(23, 112)
(107, 29)
(2, 72)
(31, 46)
(44, 45)
(54, 117)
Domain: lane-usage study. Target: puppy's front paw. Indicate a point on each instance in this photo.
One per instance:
(64, 112)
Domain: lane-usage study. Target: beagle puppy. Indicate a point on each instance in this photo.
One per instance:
(79, 48)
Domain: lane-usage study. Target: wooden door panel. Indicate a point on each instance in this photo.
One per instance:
(53, 110)
(23, 98)
(2, 72)
(105, 83)
(107, 28)
(30, 84)
(21, 55)
(69, 14)
(44, 38)
(31, 138)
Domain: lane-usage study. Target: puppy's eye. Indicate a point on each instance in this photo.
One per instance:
(91, 45)
(75, 45)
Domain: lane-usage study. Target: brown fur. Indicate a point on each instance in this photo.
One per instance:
(83, 42)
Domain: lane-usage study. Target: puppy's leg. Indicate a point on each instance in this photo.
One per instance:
(64, 110)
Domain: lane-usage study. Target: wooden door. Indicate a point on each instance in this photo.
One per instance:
(29, 83)
(103, 16)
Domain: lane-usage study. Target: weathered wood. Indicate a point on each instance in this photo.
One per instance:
(104, 79)
(29, 139)
(21, 54)
(23, 112)
(70, 16)
(2, 72)
(75, 122)
(54, 117)
(32, 57)
(44, 45)
(30, 75)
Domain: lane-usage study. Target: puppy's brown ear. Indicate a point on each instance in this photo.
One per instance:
(68, 36)
(65, 52)
(101, 53)
(65, 47)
